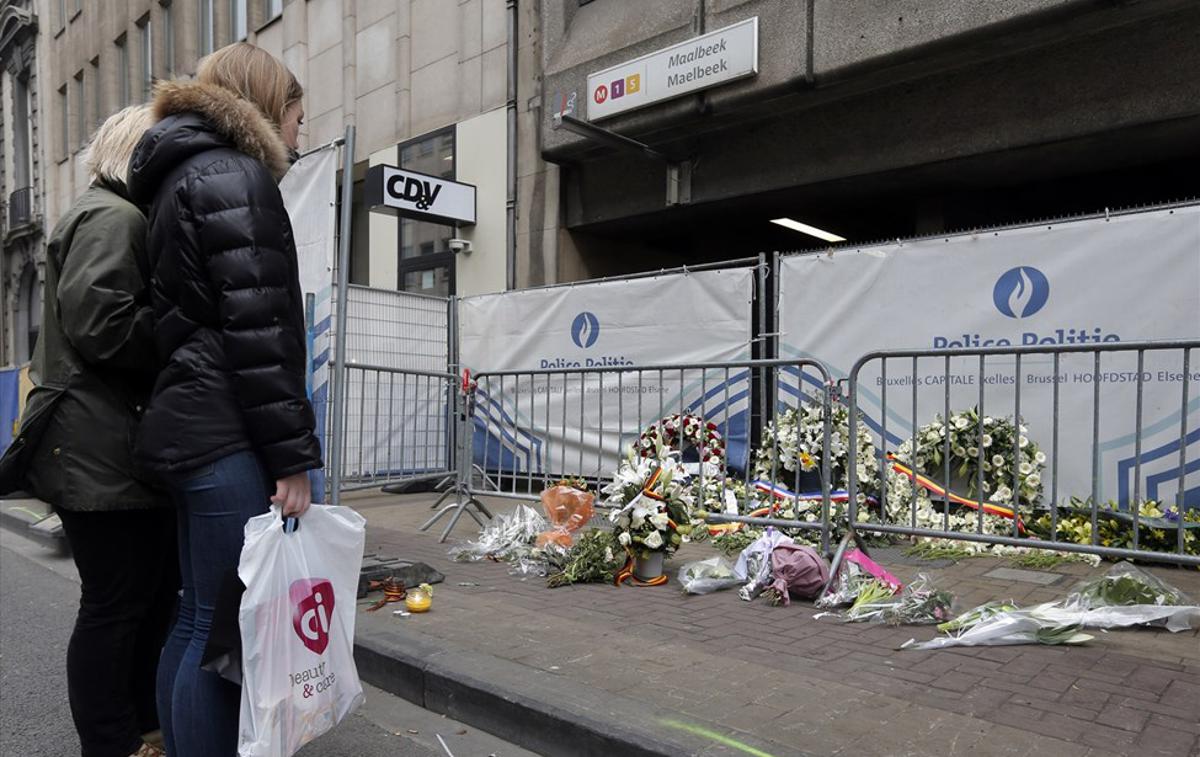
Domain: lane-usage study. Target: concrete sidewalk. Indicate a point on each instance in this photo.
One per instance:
(600, 670)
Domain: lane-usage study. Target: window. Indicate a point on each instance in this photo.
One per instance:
(206, 27)
(360, 235)
(272, 8)
(123, 94)
(426, 262)
(237, 19)
(168, 22)
(97, 110)
(29, 314)
(22, 160)
(64, 125)
(146, 58)
(81, 123)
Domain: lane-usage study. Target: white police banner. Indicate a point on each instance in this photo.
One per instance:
(309, 192)
(692, 317)
(1100, 281)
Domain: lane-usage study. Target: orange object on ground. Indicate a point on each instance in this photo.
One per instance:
(568, 510)
(625, 575)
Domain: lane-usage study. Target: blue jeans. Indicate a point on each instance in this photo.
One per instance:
(198, 709)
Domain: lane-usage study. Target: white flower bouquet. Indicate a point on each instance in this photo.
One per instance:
(794, 442)
(652, 499)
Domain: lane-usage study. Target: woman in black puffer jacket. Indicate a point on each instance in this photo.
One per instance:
(229, 427)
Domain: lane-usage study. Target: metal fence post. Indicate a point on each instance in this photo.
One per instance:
(830, 396)
(343, 281)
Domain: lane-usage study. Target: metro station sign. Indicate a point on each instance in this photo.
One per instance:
(716, 58)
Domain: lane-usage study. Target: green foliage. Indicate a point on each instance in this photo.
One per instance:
(733, 542)
(1157, 531)
(930, 550)
(594, 558)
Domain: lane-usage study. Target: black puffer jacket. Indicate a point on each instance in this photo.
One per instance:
(226, 293)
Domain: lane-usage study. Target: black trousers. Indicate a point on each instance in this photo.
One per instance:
(129, 570)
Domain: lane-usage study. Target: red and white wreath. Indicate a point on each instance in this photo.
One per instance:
(677, 431)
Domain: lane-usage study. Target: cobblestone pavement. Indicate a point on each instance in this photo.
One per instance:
(818, 685)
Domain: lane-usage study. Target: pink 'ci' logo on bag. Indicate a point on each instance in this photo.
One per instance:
(312, 606)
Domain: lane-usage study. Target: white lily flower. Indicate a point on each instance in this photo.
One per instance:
(659, 520)
(623, 538)
(654, 540)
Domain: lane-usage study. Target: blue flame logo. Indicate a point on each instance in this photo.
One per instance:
(1021, 292)
(585, 330)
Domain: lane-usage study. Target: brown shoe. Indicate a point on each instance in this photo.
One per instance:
(154, 738)
(149, 750)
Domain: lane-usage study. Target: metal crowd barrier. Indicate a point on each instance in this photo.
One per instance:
(396, 427)
(530, 428)
(1117, 375)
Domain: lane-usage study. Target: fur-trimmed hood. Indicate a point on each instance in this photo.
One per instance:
(238, 120)
(193, 118)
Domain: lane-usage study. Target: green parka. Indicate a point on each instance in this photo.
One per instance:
(94, 365)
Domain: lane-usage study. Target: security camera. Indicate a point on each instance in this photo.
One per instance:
(460, 245)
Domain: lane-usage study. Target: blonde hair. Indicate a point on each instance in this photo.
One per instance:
(108, 154)
(254, 75)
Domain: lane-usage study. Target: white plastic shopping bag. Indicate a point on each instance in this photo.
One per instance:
(297, 623)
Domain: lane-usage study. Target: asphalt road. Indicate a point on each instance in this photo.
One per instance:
(39, 594)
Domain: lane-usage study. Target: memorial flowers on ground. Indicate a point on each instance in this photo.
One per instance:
(1158, 526)
(794, 444)
(712, 489)
(679, 431)
(989, 451)
(651, 497)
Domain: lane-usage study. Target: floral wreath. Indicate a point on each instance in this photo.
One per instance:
(1003, 443)
(676, 431)
(797, 436)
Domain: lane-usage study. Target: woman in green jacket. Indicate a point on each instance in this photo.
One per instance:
(93, 369)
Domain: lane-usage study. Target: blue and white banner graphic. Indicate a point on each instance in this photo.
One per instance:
(1122, 279)
(582, 424)
(10, 405)
(309, 192)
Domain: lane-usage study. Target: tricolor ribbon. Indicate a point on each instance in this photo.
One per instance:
(931, 486)
(625, 574)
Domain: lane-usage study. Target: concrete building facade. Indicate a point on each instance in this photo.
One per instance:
(873, 120)
(22, 177)
(430, 85)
